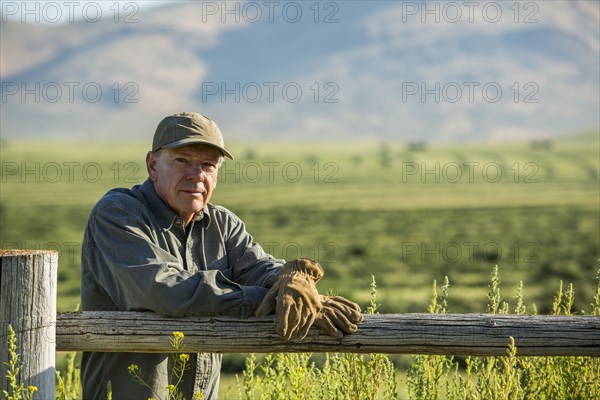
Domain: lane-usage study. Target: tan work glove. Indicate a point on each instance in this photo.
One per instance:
(338, 316)
(295, 298)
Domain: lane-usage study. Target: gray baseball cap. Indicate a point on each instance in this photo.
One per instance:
(186, 128)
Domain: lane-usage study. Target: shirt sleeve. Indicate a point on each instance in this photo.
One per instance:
(251, 264)
(130, 264)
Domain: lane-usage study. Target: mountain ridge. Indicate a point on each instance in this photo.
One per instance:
(370, 75)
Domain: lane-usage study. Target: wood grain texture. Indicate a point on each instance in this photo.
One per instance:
(28, 304)
(457, 334)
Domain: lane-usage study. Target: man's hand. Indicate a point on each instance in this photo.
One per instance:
(338, 316)
(295, 298)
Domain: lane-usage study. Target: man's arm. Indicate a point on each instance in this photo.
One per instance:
(251, 264)
(127, 261)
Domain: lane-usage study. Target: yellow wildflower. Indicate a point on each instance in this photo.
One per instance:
(133, 368)
(178, 335)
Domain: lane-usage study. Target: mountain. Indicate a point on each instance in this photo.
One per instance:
(353, 70)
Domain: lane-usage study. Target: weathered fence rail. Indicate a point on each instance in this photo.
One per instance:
(28, 304)
(468, 334)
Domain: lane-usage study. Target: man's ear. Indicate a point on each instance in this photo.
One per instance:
(151, 165)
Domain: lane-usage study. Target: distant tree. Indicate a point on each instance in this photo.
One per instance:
(419, 145)
(385, 155)
(250, 154)
(541, 144)
(312, 158)
(357, 159)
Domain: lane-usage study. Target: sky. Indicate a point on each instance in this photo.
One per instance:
(529, 74)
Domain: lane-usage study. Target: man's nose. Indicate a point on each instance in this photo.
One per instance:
(196, 172)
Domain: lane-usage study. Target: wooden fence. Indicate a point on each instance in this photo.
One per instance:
(28, 304)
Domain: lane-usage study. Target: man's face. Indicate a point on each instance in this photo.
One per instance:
(179, 178)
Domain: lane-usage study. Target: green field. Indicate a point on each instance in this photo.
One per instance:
(407, 217)
(361, 209)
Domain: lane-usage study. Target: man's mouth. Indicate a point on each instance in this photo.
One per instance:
(196, 192)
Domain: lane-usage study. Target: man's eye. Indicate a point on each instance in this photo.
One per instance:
(209, 167)
(181, 160)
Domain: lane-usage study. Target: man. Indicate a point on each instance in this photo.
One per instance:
(161, 246)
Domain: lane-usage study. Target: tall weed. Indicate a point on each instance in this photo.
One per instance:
(16, 388)
(430, 377)
(509, 376)
(342, 376)
(352, 376)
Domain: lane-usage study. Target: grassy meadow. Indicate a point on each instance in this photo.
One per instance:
(407, 217)
(407, 214)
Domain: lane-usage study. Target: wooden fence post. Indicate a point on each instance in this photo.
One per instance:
(28, 304)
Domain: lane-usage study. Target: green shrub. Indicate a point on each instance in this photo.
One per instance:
(374, 376)
(507, 377)
(352, 376)
(180, 363)
(69, 387)
(342, 376)
(16, 389)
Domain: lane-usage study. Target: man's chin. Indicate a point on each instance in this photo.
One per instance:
(194, 207)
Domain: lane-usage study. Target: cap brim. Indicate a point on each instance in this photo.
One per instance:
(188, 141)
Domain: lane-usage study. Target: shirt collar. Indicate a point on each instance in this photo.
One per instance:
(165, 216)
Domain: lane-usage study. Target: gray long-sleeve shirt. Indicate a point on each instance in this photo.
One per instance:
(137, 255)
